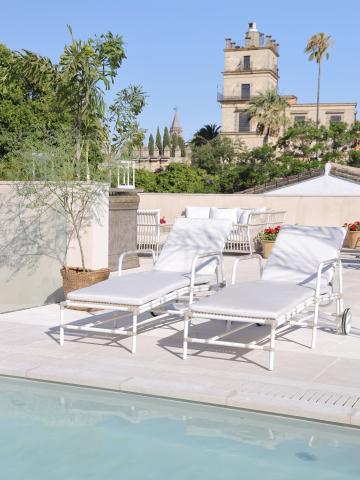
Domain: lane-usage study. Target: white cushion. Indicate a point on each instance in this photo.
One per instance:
(132, 289)
(244, 218)
(299, 250)
(224, 213)
(197, 212)
(256, 300)
(190, 237)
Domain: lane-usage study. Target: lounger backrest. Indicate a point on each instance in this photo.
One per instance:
(299, 250)
(190, 237)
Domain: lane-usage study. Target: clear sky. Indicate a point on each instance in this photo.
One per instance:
(175, 48)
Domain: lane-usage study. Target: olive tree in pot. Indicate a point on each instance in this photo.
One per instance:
(52, 181)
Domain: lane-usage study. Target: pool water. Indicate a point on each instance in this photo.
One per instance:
(59, 432)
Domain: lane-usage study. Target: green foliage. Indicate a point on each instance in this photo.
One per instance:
(166, 138)
(205, 134)
(151, 145)
(268, 109)
(178, 178)
(213, 154)
(158, 141)
(128, 105)
(181, 144)
(173, 144)
(354, 158)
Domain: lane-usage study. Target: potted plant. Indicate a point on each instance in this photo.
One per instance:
(267, 238)
(353, 234)
(51, 181)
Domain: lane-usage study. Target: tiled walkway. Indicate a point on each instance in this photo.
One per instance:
(322, 384)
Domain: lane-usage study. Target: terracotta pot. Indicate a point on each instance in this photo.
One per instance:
(267, 246)
(353, 239)
(75, 278)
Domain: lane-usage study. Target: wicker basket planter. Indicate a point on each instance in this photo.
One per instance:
(353, 239)
(267, 246)
(75, 278)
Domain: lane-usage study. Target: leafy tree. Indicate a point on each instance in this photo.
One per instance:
(124, 112)
(166, 138)
(181, 144)
(151, 145)
(178, 177)
(268, 109)
(158, 141)
(146, 180)
(213, 154)
(85, 70)
(316, 47)
(28, 113)
(304, 141)
(205, 134)
(173, 144)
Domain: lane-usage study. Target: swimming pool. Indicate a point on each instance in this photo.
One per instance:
(56, 432)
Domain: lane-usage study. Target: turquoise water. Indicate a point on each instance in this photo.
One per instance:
(56, 432)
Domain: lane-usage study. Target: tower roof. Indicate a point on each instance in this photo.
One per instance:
(175, 126)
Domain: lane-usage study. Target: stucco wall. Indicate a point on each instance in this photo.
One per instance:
(328, 211)
(32, 250)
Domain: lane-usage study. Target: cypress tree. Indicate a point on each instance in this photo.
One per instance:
(174, 144)
(151, 145)
(159, 141)
(166, 139)
(181, 144)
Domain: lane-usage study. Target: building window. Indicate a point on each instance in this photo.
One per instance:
(299, 118)
(245, 91)
(335, 119)
(247, 62)
(244, 123)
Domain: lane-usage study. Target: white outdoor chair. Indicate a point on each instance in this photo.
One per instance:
(148, 230)
(189, 263)
(297, 279)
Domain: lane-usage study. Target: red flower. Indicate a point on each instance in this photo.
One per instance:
(162, 220)
(352, 228)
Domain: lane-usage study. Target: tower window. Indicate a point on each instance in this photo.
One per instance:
(244, 123)
(335, 119)
(247, 62)
(245, 91)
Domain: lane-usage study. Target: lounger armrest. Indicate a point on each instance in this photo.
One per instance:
(218, 256)
(332, 262)
(241, 259)
(134, 252)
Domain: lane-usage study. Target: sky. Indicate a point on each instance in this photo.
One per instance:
(175, 48)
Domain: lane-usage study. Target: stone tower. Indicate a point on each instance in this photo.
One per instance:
(249, 69)
(175, 126)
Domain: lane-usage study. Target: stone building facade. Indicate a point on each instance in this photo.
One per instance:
(252, 69)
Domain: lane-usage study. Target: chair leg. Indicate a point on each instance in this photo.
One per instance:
(61, 324)
(186, 333)
(315, 323)
(134, 332)
(272, 347)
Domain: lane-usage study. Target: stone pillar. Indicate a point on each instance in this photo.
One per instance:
(123, 205)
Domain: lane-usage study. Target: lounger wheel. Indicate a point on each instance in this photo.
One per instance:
(259, 324)
(346, 321)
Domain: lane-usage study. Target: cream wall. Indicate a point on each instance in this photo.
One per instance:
(259, 82)
(32, 250)
(330, 211)
(259, 58)
(346, 110)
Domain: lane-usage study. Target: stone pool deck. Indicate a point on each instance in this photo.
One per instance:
(322, 384)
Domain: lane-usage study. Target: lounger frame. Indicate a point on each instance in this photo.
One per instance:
(286, 320)
(186, 294)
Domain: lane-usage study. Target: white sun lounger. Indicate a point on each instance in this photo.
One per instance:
(190, 262)
(298, 277)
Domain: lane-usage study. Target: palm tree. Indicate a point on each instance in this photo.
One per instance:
(318, 46)
(205, 134)
(268, 108)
